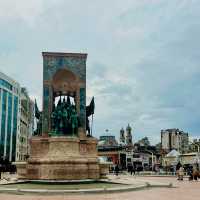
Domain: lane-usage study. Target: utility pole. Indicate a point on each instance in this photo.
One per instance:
(152, 162)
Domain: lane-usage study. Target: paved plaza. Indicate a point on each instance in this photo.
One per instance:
(184, 190)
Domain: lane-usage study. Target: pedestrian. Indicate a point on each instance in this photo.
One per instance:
(176, 168)
(116, 169)
(190, 173)
(180, 173)
(128, 168)
(195, 173)
(131, 169)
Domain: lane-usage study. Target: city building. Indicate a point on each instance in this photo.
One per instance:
(126, 138)
(194, 146)
(26, 126)
(122, 137)
(170, 160)
(174, 139)
(9, 116)
(141, 160)
(141, 155)
(129, 139)
(114, 152)
(108, 140)
(144, 154)
(16, 120)
(108, 147)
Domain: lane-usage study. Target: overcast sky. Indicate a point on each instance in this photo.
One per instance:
(143, 63)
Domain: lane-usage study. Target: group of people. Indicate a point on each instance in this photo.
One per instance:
(130, 168)
(192, 171)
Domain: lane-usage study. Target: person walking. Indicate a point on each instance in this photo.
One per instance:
(116, 169)
(131, 169)
(134, 170)
(180, 173)
(195, 173)
(190, 173)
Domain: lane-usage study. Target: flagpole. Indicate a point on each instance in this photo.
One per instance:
(92, 125)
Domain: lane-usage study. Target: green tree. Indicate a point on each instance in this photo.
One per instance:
(144, 142)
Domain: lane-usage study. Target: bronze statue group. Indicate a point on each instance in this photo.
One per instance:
(64, 118)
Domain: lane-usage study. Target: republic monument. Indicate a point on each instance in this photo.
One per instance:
(62, 148)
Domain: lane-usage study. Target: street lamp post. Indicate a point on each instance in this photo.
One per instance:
(152, 162)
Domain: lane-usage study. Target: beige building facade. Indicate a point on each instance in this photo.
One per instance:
(184, 159)
(26, 126)
(174, 139)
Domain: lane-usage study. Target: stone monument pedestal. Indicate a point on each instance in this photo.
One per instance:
(62, 158)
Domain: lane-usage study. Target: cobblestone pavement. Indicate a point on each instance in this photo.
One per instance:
(184, 190)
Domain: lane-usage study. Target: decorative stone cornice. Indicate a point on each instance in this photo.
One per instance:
(60, 54)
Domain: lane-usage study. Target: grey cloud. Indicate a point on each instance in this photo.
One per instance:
(143, 58)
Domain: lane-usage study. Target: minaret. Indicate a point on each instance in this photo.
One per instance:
(122, 136)
(129, 141)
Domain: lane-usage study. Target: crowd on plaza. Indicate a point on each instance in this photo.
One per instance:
(192, 172)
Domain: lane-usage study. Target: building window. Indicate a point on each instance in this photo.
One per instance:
(15, 114)
(5, 84)
(3, 121)
(9, 121)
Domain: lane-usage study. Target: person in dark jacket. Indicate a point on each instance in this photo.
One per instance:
(116, 169)
(190, 173)
(195, 173)
(131, 169)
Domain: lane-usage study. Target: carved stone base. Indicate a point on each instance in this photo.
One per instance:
(62, 158)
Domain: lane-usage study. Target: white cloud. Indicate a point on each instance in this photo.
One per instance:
(23, 9)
